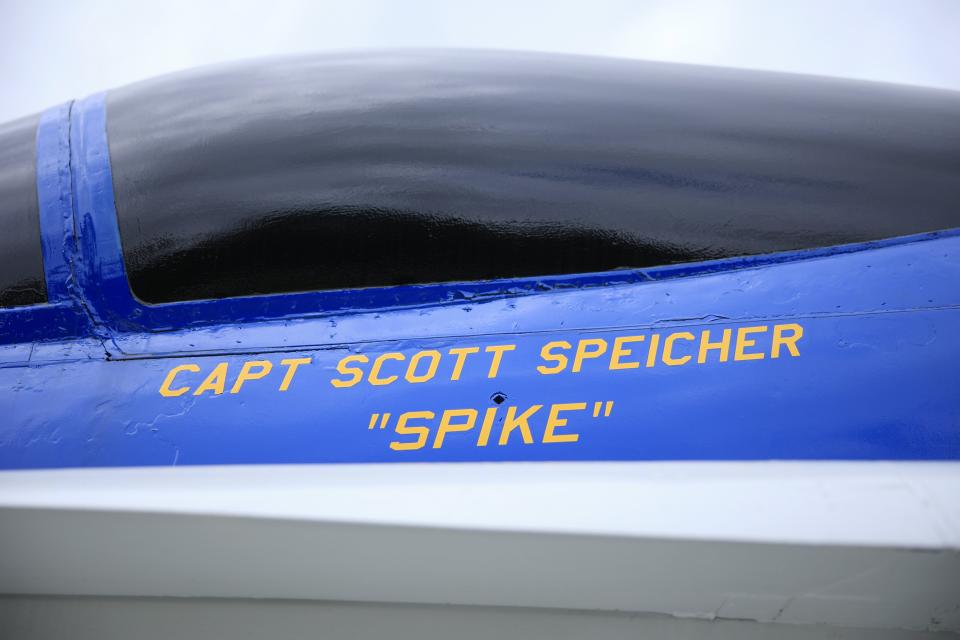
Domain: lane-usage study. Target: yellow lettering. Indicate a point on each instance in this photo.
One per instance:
(165, 389)
(292, 364)
(554, 420)
(620, 352)
(743, 343)
(584, 354)
(668, 358)
(215, 382)
(652, 355)
(412, 376)
(342, 368)
(247, 373)
(421, 431)
(546, 354)
(448, 426)
(790, 343)
(723, 346)
(497, 351)
(375, 378)
(514, 421)
(461, 353)
(487, 425)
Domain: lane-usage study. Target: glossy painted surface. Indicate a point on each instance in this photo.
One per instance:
(62, 317)
(380, 169)
(872, 377)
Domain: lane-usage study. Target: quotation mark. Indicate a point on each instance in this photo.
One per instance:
(606, 406)
(383, 421)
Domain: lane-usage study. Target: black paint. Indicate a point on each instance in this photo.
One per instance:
(22, 280)
(389, 168)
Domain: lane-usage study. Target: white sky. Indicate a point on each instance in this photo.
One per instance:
(54, 50)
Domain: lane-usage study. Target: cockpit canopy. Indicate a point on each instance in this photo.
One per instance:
(377, 169)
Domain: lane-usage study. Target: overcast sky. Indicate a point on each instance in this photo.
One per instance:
(54, 50)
